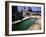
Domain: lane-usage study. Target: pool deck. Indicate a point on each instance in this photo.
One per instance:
(36, 26)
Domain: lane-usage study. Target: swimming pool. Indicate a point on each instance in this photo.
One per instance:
(24, 25)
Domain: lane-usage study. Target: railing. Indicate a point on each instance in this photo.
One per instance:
(20, 20)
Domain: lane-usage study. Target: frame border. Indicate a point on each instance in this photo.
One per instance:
(7, 17)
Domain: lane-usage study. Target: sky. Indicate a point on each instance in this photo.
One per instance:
(33, 8)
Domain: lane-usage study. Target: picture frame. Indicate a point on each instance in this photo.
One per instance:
(17, 13)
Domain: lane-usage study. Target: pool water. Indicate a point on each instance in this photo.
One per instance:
(24, 25)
